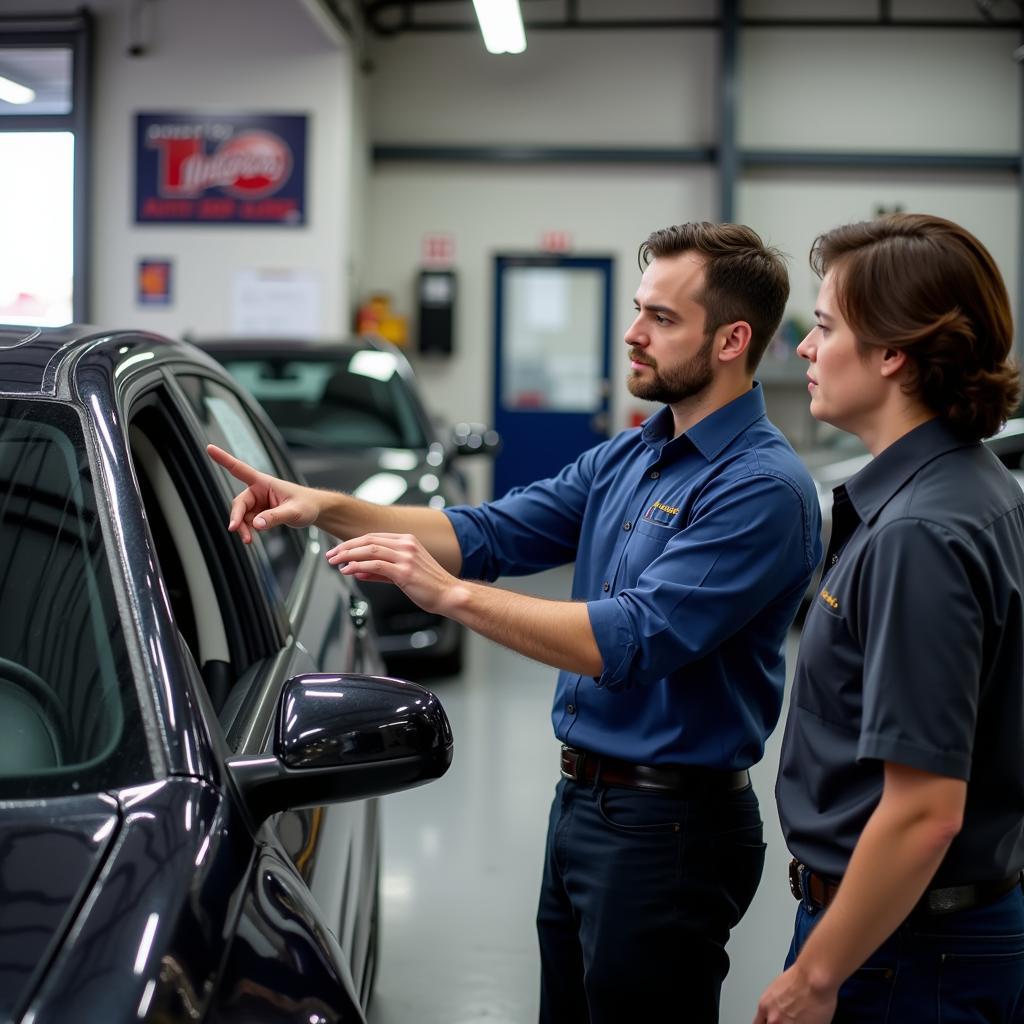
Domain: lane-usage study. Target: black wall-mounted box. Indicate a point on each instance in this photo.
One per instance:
(436, 300)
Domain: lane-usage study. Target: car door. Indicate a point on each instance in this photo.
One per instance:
(252, 616)
(336, 849)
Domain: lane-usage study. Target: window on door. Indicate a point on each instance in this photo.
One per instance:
(228, 425)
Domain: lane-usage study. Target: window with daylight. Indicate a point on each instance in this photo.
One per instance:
(43, 145)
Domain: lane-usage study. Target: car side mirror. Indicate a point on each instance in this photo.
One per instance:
(345, 737)
(475, 439)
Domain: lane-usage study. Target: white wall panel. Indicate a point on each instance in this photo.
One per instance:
(879, 89)
(649, 88)
(793, 210)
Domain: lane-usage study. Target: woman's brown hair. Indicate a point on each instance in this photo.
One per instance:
(927, 286)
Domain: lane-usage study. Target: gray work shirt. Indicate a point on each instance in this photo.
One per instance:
(913, 652)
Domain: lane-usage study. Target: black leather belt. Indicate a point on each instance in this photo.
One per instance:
(582, 766)
(820, 891)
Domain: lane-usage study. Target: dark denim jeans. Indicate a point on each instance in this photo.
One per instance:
(640, 891)
(961, 968)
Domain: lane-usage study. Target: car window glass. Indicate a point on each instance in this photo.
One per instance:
(185, 564)
(357, 400)
(227, 424)
(69, 714)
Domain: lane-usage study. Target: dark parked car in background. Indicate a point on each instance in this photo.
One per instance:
(193, 731)
(353, 418)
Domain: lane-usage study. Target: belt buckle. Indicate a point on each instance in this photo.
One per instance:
(572, 763)
(795, 886)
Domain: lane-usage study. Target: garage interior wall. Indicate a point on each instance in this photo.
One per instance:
(572, 88)
(888, 90)
(240, 57)
(883, 90)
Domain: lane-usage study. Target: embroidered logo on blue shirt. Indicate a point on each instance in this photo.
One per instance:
(661, 513)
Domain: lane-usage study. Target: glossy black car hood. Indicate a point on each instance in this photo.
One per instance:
(136, 915)
(50, 854)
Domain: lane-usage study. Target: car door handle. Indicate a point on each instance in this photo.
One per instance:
(359, 611)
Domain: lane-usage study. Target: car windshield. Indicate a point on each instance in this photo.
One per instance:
(357, 400)
(69, 717)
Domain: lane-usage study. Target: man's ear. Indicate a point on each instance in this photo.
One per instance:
(734, 340)
(893, 360)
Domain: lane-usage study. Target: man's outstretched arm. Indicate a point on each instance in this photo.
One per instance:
(557, 633)
(268, 501)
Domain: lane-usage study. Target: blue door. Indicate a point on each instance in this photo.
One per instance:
(552, 358)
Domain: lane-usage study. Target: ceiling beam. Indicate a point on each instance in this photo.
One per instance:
(332, 19)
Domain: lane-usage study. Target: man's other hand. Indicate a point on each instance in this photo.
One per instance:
(400, 559)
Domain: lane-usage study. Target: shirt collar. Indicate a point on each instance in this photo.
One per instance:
(870, 488)
(711, 435)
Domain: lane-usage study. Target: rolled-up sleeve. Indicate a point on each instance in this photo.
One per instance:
(530, 528)
(743, 549)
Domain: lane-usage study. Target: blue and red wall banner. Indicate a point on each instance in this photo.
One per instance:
(220, 169)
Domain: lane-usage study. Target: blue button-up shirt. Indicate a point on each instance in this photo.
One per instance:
(692, 554)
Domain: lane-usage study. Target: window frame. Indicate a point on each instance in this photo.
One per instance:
(246, 722)
(252, 637)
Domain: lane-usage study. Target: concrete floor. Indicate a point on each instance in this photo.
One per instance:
(462, 858)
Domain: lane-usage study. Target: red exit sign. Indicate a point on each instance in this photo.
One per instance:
(556, 241)
(438, 250)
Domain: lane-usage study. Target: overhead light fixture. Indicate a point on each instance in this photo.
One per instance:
(13, 92)
(501, 25)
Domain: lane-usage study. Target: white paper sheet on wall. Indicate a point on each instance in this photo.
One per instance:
(275, 303)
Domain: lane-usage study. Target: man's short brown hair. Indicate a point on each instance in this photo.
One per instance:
(743, 278)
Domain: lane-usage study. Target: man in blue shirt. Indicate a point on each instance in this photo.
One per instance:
(694, 538)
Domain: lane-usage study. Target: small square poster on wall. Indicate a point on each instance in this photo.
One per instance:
(153, 282)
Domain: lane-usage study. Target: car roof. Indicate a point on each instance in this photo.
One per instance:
(35, 360)
(304, 348)
(288, 346)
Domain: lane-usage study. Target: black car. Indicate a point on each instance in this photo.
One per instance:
(354, 421)
(193, 731)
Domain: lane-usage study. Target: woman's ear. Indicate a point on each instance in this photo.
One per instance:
(893, 360)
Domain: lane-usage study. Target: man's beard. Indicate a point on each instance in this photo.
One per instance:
(677, 384)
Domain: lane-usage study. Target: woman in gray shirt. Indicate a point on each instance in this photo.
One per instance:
(901, 785)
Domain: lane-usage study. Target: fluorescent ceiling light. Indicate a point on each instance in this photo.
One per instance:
(501, 25)
(13, 92)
